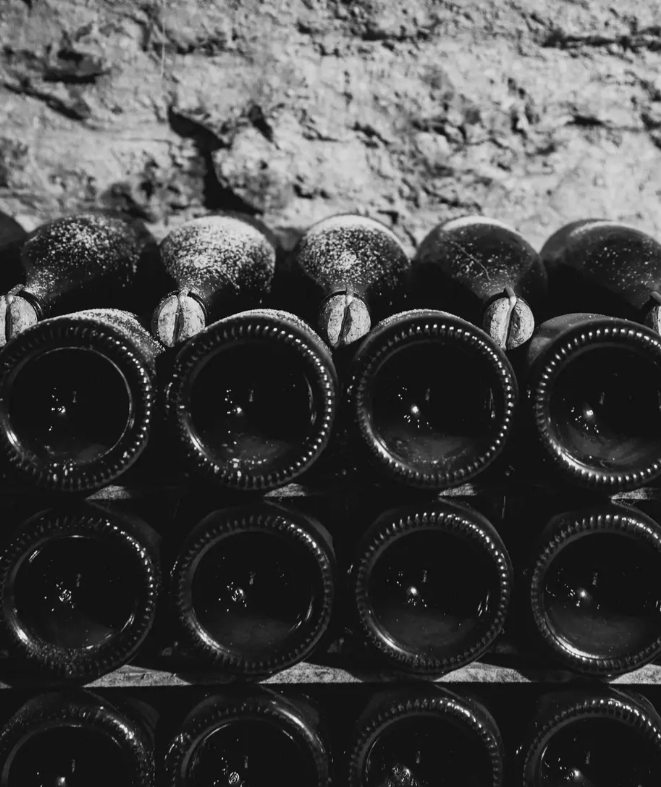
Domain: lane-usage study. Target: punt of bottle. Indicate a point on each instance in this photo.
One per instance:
(250, 737)
(432, 398)
(416, 737)
(252, 399)
(77, 398)
(77, 739)
(253, 588)
(594, 389)
(79, 590)
(431, 587)
(592, 738)
(595, 589)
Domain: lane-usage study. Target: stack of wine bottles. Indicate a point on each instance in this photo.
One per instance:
(209, 372)
(413, 736)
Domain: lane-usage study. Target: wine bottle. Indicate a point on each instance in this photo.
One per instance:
(607, 267)
(430, 586)
(217, 263)
(250, 737)
(419, 736)
(484, 271)
(79, 587)
(594, 589)
(431, 398)
(88, 260)
(594, 400)
(591, 738)
(12, 237)
(77, 739)
(253, 588)
(356, 270)
(250, 399)
(77, 398)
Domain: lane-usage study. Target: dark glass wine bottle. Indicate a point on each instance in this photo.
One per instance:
(77, 739)
(250, 737)
(12, 237)
(251, 398)
(432, 399)
(253, 588)
(77, 398)
(423, 736)
(594, 400)
(431, 586)
(79, 588)
(85, 261)
(594, 584)
(592, 738)
(607, 267)
(484, 271)
(356, 270)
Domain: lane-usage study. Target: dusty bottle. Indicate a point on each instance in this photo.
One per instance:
(606, 267)
(484, 271)
(594, 400)
(12, 237)
(356, 271)
(77, 399)
(84, 261)
(594, 589)
(253, 588)
(250, 737)
(219, 264)
(251, 398)
(591, 738)
(419, 736)
(430, 586)
(79, 588)
(431, 398)
(76, 739)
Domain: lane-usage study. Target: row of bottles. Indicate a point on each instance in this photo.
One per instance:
(252, 590)
(247, 396)
(400, 737)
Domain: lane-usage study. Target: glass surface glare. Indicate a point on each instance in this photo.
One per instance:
(435, 405)
(252, 406)
(70, 405)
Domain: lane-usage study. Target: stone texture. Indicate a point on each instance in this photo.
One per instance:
(534, 112)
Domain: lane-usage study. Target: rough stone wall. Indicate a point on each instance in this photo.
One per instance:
(412, 111)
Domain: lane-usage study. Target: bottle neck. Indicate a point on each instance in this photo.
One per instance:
(223, 261)
(603, 265)
(473, 260)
